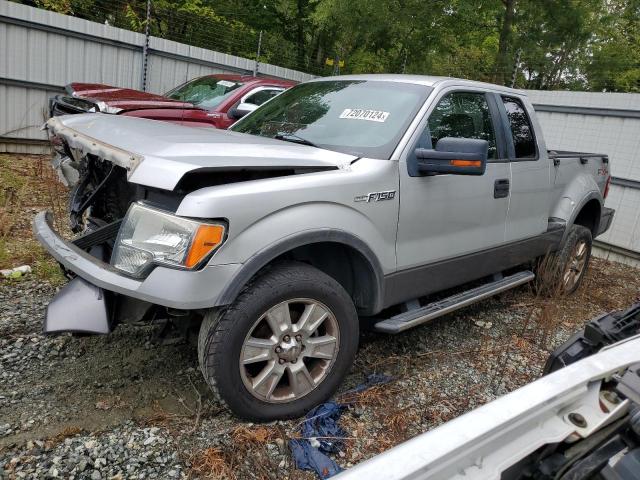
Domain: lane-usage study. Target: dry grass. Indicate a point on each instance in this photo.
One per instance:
(212, 463)
(29, 185)
(70, 431)
(398, 422)
(246, 437)
(377, 396)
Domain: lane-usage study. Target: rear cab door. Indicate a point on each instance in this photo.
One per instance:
(530, 189)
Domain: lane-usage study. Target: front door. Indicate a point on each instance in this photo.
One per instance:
(446, 216)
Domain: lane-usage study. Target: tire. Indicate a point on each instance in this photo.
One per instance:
(305, 367)
(562, 272)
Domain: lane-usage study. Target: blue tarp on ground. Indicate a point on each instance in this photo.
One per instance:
(321, 424)
(322, 434)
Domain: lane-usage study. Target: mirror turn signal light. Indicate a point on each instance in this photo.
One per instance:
(206, 239)
(466, 163)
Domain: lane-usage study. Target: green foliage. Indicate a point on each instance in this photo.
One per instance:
(579, 44)
(59, 6)
(615, 62)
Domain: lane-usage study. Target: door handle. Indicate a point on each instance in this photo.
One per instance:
(501, 188)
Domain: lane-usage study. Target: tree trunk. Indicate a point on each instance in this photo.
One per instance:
(503, 63)
(300, 34)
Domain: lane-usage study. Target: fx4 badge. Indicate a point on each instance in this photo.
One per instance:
(376, 196)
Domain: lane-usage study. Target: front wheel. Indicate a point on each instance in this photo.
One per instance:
(283, 346)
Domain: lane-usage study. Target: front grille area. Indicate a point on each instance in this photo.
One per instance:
(64, 105)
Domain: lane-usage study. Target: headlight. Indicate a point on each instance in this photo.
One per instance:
(149, 236)
(104, 108)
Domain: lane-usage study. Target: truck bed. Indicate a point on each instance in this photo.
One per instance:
(583, 156)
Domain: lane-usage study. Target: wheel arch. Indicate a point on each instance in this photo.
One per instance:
(587, 213)
(339, 254)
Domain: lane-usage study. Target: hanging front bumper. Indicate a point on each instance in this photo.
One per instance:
(182, 289)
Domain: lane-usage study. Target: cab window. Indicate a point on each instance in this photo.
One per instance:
(261, 96)
(205, 92)
(462, 115)
(521, 131)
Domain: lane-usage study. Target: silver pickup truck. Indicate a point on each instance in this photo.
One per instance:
(343, 203)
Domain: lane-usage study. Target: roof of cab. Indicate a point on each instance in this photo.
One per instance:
(427, 80)
(235, 77)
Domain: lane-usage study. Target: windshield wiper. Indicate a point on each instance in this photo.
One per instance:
(293, 138)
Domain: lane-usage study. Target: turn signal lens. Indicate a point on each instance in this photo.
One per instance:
(207, 238)
(466, 163)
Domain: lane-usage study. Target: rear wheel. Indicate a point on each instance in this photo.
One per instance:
(283, 346)
(562, 273)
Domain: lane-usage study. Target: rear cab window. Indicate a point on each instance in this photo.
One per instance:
(524, 142)
(263, 95)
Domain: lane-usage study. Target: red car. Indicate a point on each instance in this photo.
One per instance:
(213, 100)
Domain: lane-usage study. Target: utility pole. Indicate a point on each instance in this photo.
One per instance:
(145, 47)
(255, 68)
(404, 63)
(514, 74)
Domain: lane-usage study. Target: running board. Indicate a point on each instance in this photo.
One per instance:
(404, 321)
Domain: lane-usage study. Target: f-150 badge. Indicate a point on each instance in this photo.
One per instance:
(376, 196)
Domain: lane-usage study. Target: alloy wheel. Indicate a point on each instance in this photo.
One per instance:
(289, 350)
(576, 265)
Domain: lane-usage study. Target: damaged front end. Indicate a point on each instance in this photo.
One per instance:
(128, 177)
(100, 193)
(99, 197)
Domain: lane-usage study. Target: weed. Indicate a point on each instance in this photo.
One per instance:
(28, 185)
(68, 431)
(245, 436)
(212, 463)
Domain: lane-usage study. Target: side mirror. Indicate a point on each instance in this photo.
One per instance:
(457, 156)
(241, 110)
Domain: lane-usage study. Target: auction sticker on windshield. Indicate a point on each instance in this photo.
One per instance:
(361, 114)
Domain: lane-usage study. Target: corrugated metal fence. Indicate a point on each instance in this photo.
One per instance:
(602, 123)
(42, 51)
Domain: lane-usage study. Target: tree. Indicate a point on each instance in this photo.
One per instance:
(503, 62)
(576, 44)
(615, 62)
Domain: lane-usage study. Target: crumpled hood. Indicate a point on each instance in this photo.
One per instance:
(158, 154)
(123, 98)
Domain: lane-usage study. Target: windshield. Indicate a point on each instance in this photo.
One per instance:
(204, 92)
(362, 118)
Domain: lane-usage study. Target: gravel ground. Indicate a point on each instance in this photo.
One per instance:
(118, 406)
